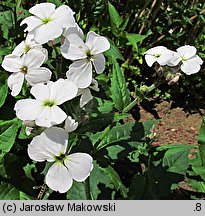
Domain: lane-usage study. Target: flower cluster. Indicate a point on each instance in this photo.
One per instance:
(25, 63)
(185, 56)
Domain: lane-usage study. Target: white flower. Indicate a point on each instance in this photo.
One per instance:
(27, 45)
(44, 109)
(48, 23)
(191, 63)
(51, 145)
(28, 67)
(70, 124)
(158, 54)
(84, 55)
(86, 95)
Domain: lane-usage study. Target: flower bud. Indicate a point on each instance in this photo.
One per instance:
(70, 124)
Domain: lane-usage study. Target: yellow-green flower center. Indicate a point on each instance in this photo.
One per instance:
(27, 48)
(157, 55)
(183, 59)
(46, 20)
(60, 158)
(89, 55)
(24, 69)
(49, 103)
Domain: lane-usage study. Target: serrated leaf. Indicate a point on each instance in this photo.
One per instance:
(176, 159)
(3, 87)
(77, 191)
(104, 106)
(28, 170)
(99, 178)
(119, 91)
(116, 134)
(116, 181)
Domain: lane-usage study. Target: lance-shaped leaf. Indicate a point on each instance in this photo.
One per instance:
(119, 91)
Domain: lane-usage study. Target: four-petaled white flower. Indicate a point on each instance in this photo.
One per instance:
(44, 109)
(70, 124)
(28, 67)
(83, 55)
(158, 54)
(48, 23)
(191, 62)
(51, 145)
(28, 44)
(86, 95)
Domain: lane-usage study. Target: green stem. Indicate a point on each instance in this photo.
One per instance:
(87, 189)
(137, 100)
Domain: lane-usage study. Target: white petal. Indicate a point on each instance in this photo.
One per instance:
(58, 178)
(196, 59)
(63, 16)
(46, 32)
(85, 97)
(97, 43)
(50, 143)
(32, 22)
(50, 116)
(174, 60)
(28, 109)
(40, 91)
(12, 63)
(43, 10)
(94, 85)
(150, 59)
(79, 165)
(80, 72)
(187, 51)
(76, 49)
(74, 30)
(15, 82)
(37, 75)
(190, 67)
(34, 59)
(19, 49)
(99, 63)
(158, 50)
(164, 58)
(70, 124)
(63, 90)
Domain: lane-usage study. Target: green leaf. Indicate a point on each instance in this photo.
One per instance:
(113, 52)
(100, 183)
(3, 87)
(136, 38)
(104, 106)
(199, 186)
(115, 180)
(116, 134)
(201, 141)
(176, 158)
(8, 132)
(9, 192)
(115, 18)
(77, 191)
(119, 91)
(199, 170)
(28, 169)
(6, 22)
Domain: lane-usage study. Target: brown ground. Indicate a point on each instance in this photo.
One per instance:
(176, 126)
